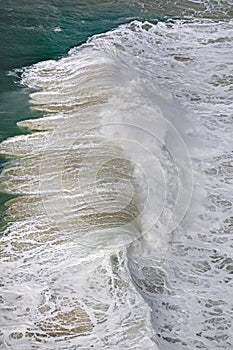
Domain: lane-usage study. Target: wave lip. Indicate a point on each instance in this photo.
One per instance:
(107, 166)
(77, 207)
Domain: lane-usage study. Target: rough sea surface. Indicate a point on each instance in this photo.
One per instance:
(117, 173)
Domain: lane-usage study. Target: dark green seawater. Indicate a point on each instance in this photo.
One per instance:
(28, 35)
(132, 132)
(29, 32)
(32, 32)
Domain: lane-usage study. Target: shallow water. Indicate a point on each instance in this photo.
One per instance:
(119, 231)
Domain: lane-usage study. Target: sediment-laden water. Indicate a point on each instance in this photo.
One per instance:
(117, 188)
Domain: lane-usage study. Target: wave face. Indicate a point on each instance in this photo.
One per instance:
(77, 209)
(110, 242)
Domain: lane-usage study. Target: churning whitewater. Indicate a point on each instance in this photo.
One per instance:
(108, 243)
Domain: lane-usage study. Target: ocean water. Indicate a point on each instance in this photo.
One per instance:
(116, 175)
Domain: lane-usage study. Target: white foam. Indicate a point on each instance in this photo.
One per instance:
(117, 139)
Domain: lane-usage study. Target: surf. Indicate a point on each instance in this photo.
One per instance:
(103, 244)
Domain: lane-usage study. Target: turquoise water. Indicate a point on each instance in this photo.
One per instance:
(116, 184)
(28, 35)
(31, 32)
